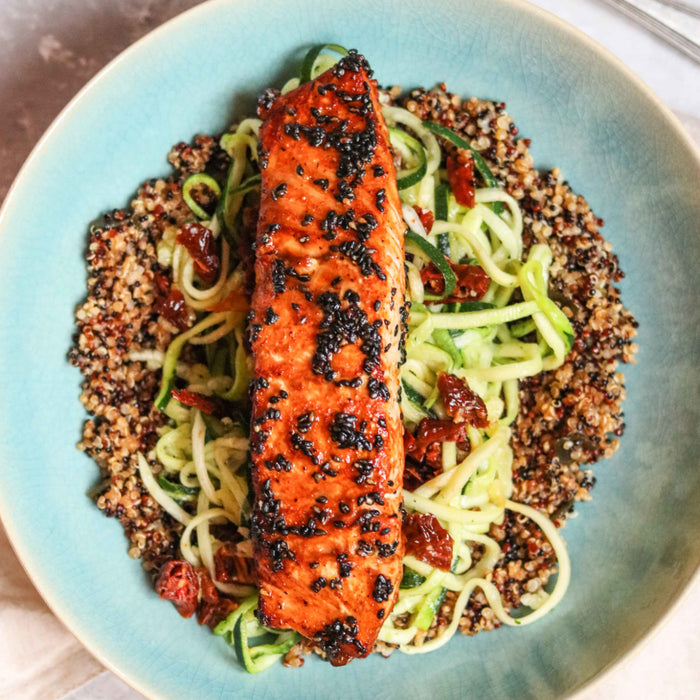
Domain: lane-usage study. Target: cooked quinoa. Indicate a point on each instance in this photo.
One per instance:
(116, 320)
(569, 417)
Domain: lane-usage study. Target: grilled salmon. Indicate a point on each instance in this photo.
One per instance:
(326, 330)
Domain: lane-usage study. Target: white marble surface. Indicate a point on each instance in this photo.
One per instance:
(666, 666)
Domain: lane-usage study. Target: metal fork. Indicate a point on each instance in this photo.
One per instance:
(682, 42)
(687, 7)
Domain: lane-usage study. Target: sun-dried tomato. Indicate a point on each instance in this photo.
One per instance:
(427, 540)
(230, 567)
(433, 280)
(209, 592)
(461, 177)
(162, 283)
(472, 282)
(409, 442)
(200, 244)
(461, 403)
(431, 430)
(426, 217)
(433, 455)
(178, 583)
(212, 607)
(434, 430)
(192, 398)
(170, 304)
(173, 308)
(416, 473)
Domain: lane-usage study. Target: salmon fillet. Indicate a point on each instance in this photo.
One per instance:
(326, 330)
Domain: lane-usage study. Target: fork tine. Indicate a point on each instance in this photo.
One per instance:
(649, 21)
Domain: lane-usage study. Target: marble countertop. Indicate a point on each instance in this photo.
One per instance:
(49, 50)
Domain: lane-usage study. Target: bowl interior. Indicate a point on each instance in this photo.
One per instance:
(633, 548)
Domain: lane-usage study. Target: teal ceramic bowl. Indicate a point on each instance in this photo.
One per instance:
(634, 548)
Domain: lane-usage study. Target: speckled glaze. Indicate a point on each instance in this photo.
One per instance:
(634, 548)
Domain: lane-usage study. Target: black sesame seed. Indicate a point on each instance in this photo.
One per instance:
(270, 316)
(365, 468)
(344, 191)
(279, 464)
(259, 383)
(361, 256)
(326, 469)
(306, 447)
(254, 332)
(278, 277)
(351, 383)
(378, 389)
(382, 589)
(315, 135)
(343, 432)
(278, 191)
(380, 198)
(318, 584)
(305, 421)
(386, 550)
(293, 130)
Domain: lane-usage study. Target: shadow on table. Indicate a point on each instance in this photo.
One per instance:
(49, 50)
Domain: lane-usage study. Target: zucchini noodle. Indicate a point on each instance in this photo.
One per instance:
(160, 496)
(472, 491)
(203, 462)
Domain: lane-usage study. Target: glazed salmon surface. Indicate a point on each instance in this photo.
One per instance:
(326, 331)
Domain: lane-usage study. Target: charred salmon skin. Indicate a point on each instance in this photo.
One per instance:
(326, 330)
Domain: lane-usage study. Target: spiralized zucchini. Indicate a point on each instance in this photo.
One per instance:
(478, 345)
(483, 343)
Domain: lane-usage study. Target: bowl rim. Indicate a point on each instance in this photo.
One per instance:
(23, 553)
